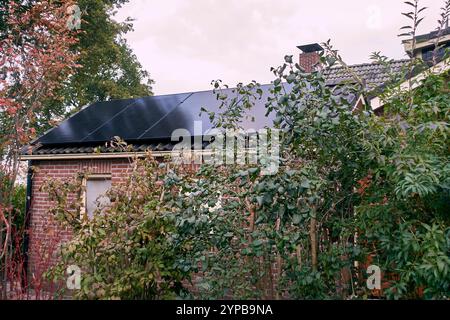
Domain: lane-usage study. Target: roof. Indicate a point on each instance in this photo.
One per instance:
(148, 119)
(147, 123)
(374, 74)
(427, 42)
(431, 35)
(103, 149)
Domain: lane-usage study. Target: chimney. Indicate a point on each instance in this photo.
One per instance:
(309, 59)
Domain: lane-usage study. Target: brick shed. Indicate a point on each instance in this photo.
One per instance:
(80, 143)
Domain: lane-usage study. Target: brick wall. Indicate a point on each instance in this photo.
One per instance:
(45, 234)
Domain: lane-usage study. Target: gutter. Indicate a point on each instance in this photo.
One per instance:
(75, 156)
(120, 155)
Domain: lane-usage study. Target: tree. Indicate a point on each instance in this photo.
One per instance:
(36, 56)
(108, 67)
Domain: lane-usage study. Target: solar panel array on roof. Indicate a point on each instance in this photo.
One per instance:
(148, 118)
(144, 120)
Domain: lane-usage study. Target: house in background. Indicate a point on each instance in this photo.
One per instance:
(426, 44)
(79, 143)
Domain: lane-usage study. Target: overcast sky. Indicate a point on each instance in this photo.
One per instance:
(185, 44)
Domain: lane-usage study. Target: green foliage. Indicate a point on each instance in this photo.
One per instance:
(404, 214)
(110, 70)
(129, 251)
(18, 203)
(108, 67)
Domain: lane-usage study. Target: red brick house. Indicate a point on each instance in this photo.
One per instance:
(145, 123)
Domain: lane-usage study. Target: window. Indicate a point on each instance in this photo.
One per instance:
(428, 53)
(96, 188)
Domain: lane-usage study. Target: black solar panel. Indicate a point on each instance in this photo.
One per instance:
(155, 118)
(103, 120)
(189, 111)
(137, 117)
(84, 122)
(147, 118)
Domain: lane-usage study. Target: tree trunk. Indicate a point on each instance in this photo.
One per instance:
(313, 239)
(279, 264)
(5, 259)
(299, 256)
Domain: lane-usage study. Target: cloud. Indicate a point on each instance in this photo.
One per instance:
(187, 43)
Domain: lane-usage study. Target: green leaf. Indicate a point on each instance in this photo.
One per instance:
(260, 200)
(257, 243)
(288, 58)
(305, 184)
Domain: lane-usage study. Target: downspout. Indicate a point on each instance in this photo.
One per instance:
(26, 238)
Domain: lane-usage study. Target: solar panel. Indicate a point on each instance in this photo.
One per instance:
(189, 111)
(84, 122)
(148, 118)
(102, 121)
(138, 117)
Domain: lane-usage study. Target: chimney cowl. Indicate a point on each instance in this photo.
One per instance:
(313, 47)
